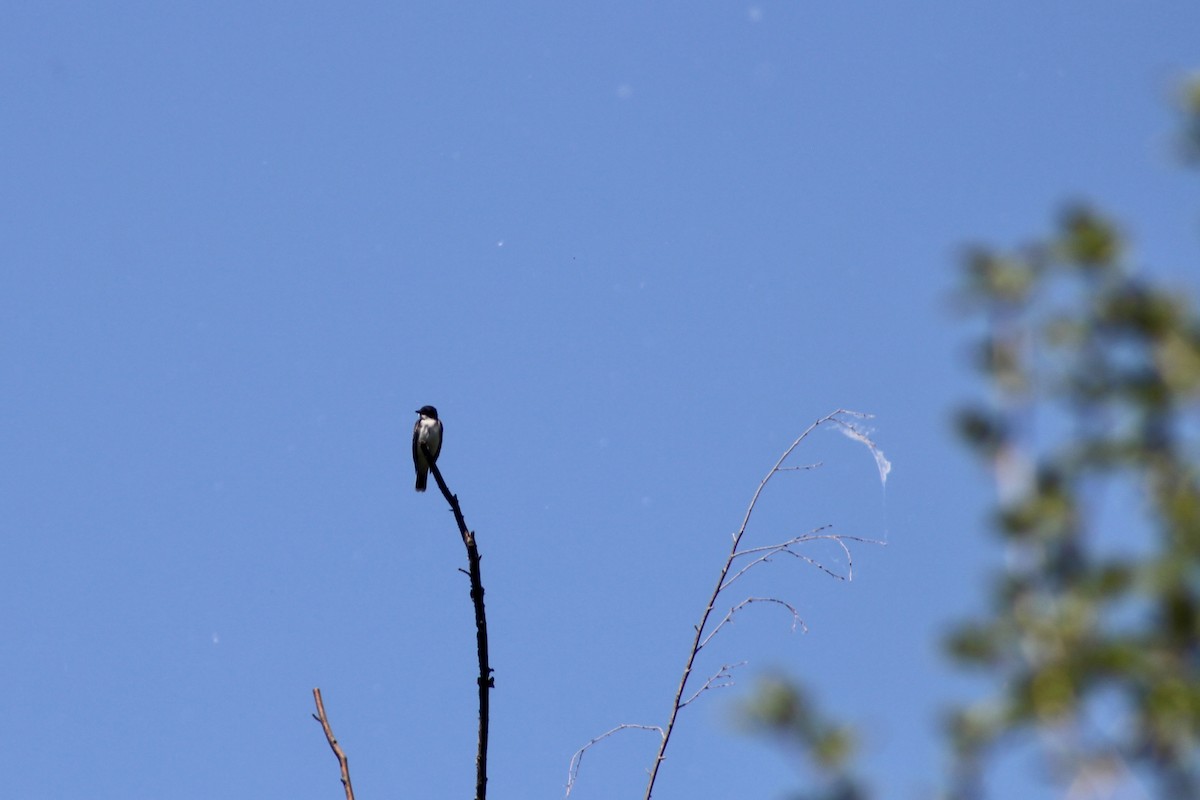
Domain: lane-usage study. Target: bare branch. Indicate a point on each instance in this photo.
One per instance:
(785, 548)
(796, 620)
(577, 759)
(720, 679)
(838, 418)
(815, 533)
(770, 550)
(831, 573)
(343, 762)
(484, 681)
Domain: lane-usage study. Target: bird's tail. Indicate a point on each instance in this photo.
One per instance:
(422, 479)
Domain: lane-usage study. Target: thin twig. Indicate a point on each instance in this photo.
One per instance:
(577, 759)
(774, 549)
(815, 533)
(485, 681)
(796, 620)
(724, 579)
(677, 701)
(813, 562)
(343, 762)
(785, 548)
(721, 679)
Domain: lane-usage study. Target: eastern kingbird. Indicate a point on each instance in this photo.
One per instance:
(427, 431)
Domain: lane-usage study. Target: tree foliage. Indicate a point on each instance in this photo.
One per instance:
(783, 710)
(1091, 429)
(1095, 382)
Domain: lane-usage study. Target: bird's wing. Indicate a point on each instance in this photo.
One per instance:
(436, 451)
(417, 443)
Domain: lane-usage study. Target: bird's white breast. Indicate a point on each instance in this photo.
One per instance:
(430, 433)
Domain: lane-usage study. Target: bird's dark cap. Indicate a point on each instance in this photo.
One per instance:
(428, 411)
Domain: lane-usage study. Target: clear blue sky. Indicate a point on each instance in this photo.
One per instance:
(629, 251)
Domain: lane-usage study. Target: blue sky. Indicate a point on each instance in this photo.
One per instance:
(629, 251)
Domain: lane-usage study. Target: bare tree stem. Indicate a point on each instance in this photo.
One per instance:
(343, 762)
(485, 680)
(699, 640)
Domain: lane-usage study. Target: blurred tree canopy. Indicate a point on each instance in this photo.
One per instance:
(1092, 640)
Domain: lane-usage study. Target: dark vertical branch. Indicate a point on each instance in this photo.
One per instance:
(481, 640)
(343, 762)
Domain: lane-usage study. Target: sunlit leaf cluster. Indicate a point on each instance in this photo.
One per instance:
(784, 711)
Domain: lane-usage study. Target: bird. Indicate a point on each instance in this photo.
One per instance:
(427, 431)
